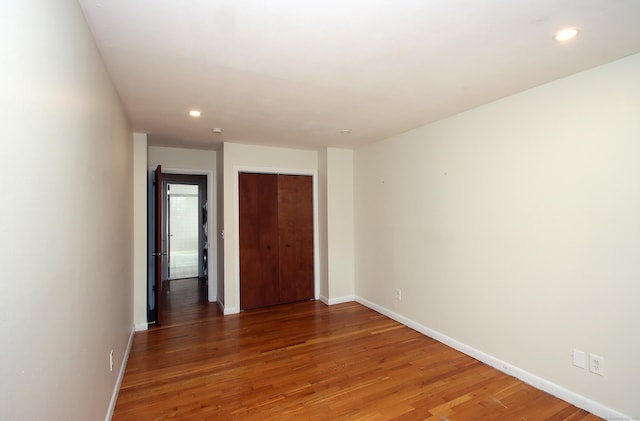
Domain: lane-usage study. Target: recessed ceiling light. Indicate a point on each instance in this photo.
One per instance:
(566, 34)
(345, 131)
(217, 130)
(194, 113)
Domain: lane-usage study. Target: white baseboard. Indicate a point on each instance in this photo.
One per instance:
(141, 326)
(573, 398)
(123, 367)
(337, 300)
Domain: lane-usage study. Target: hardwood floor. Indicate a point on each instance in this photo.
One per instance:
(313, 362)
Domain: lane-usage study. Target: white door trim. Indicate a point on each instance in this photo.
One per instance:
(211, 225)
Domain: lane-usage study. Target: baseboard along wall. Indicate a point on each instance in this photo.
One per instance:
(573, 398)
(123, 367)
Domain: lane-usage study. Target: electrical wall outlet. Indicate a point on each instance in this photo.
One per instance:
(111, 360)
(398, 294)
(579, 358)
(596, 364)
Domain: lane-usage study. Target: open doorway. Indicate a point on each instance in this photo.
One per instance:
(183, 229)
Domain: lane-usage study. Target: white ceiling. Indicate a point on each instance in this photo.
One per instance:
(296, 73)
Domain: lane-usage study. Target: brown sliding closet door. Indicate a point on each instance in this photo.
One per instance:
(295, 224)
(276, 239)
(258, 240)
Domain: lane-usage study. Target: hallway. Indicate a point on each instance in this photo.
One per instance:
(185, 301)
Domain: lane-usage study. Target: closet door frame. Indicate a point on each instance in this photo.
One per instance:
(236, 209)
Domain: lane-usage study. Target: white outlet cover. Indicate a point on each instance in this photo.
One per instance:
(596, 364)
(579, 358)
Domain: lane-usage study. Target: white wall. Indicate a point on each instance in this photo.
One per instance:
(192, 161)
(220, 194)
(323, 264)
(140, 230)
(514, 228)
(66, 217)
(182, 158)
(261, 157)
(340, 225)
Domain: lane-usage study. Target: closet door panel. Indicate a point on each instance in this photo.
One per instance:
(295, 225)
(258, 222)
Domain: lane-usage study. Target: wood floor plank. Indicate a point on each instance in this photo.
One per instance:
(310, 361)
